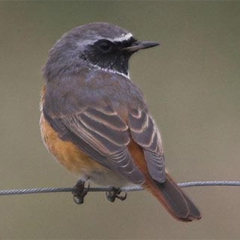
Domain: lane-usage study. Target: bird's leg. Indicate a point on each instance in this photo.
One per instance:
(79, 192)
(115, 193)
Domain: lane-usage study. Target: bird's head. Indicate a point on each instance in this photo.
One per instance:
(95, 45)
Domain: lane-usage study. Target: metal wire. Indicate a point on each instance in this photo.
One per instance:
(106, 189)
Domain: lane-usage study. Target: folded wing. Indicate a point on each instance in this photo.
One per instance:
(101, 134)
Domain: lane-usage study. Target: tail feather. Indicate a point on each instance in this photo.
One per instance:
(174, 200)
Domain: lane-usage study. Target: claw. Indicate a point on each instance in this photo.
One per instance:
(80, 192)
(123, 197)
(115, 193)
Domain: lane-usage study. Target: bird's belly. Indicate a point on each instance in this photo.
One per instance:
(108, 178)
(77, 162)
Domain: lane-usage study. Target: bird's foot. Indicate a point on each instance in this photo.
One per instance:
(116, 193)
(80, 192)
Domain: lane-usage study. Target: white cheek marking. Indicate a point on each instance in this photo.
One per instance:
(110, 70)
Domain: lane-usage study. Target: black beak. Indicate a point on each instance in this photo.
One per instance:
(140, 45)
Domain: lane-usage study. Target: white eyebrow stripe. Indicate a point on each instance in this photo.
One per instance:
(117, 39)
(122, 38)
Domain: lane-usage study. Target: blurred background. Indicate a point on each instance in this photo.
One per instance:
(192, 85)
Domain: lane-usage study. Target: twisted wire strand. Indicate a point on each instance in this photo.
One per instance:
(106, 189)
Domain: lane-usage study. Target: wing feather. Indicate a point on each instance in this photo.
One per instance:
(109, 118)
(101, 134)
(145, 133)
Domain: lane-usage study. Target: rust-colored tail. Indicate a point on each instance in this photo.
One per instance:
(174, 200)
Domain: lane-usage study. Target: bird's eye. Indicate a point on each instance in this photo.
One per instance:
(105, 46)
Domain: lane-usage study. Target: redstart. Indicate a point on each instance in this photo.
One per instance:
(95, 121)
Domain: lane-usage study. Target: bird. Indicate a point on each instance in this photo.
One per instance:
(95, 120)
